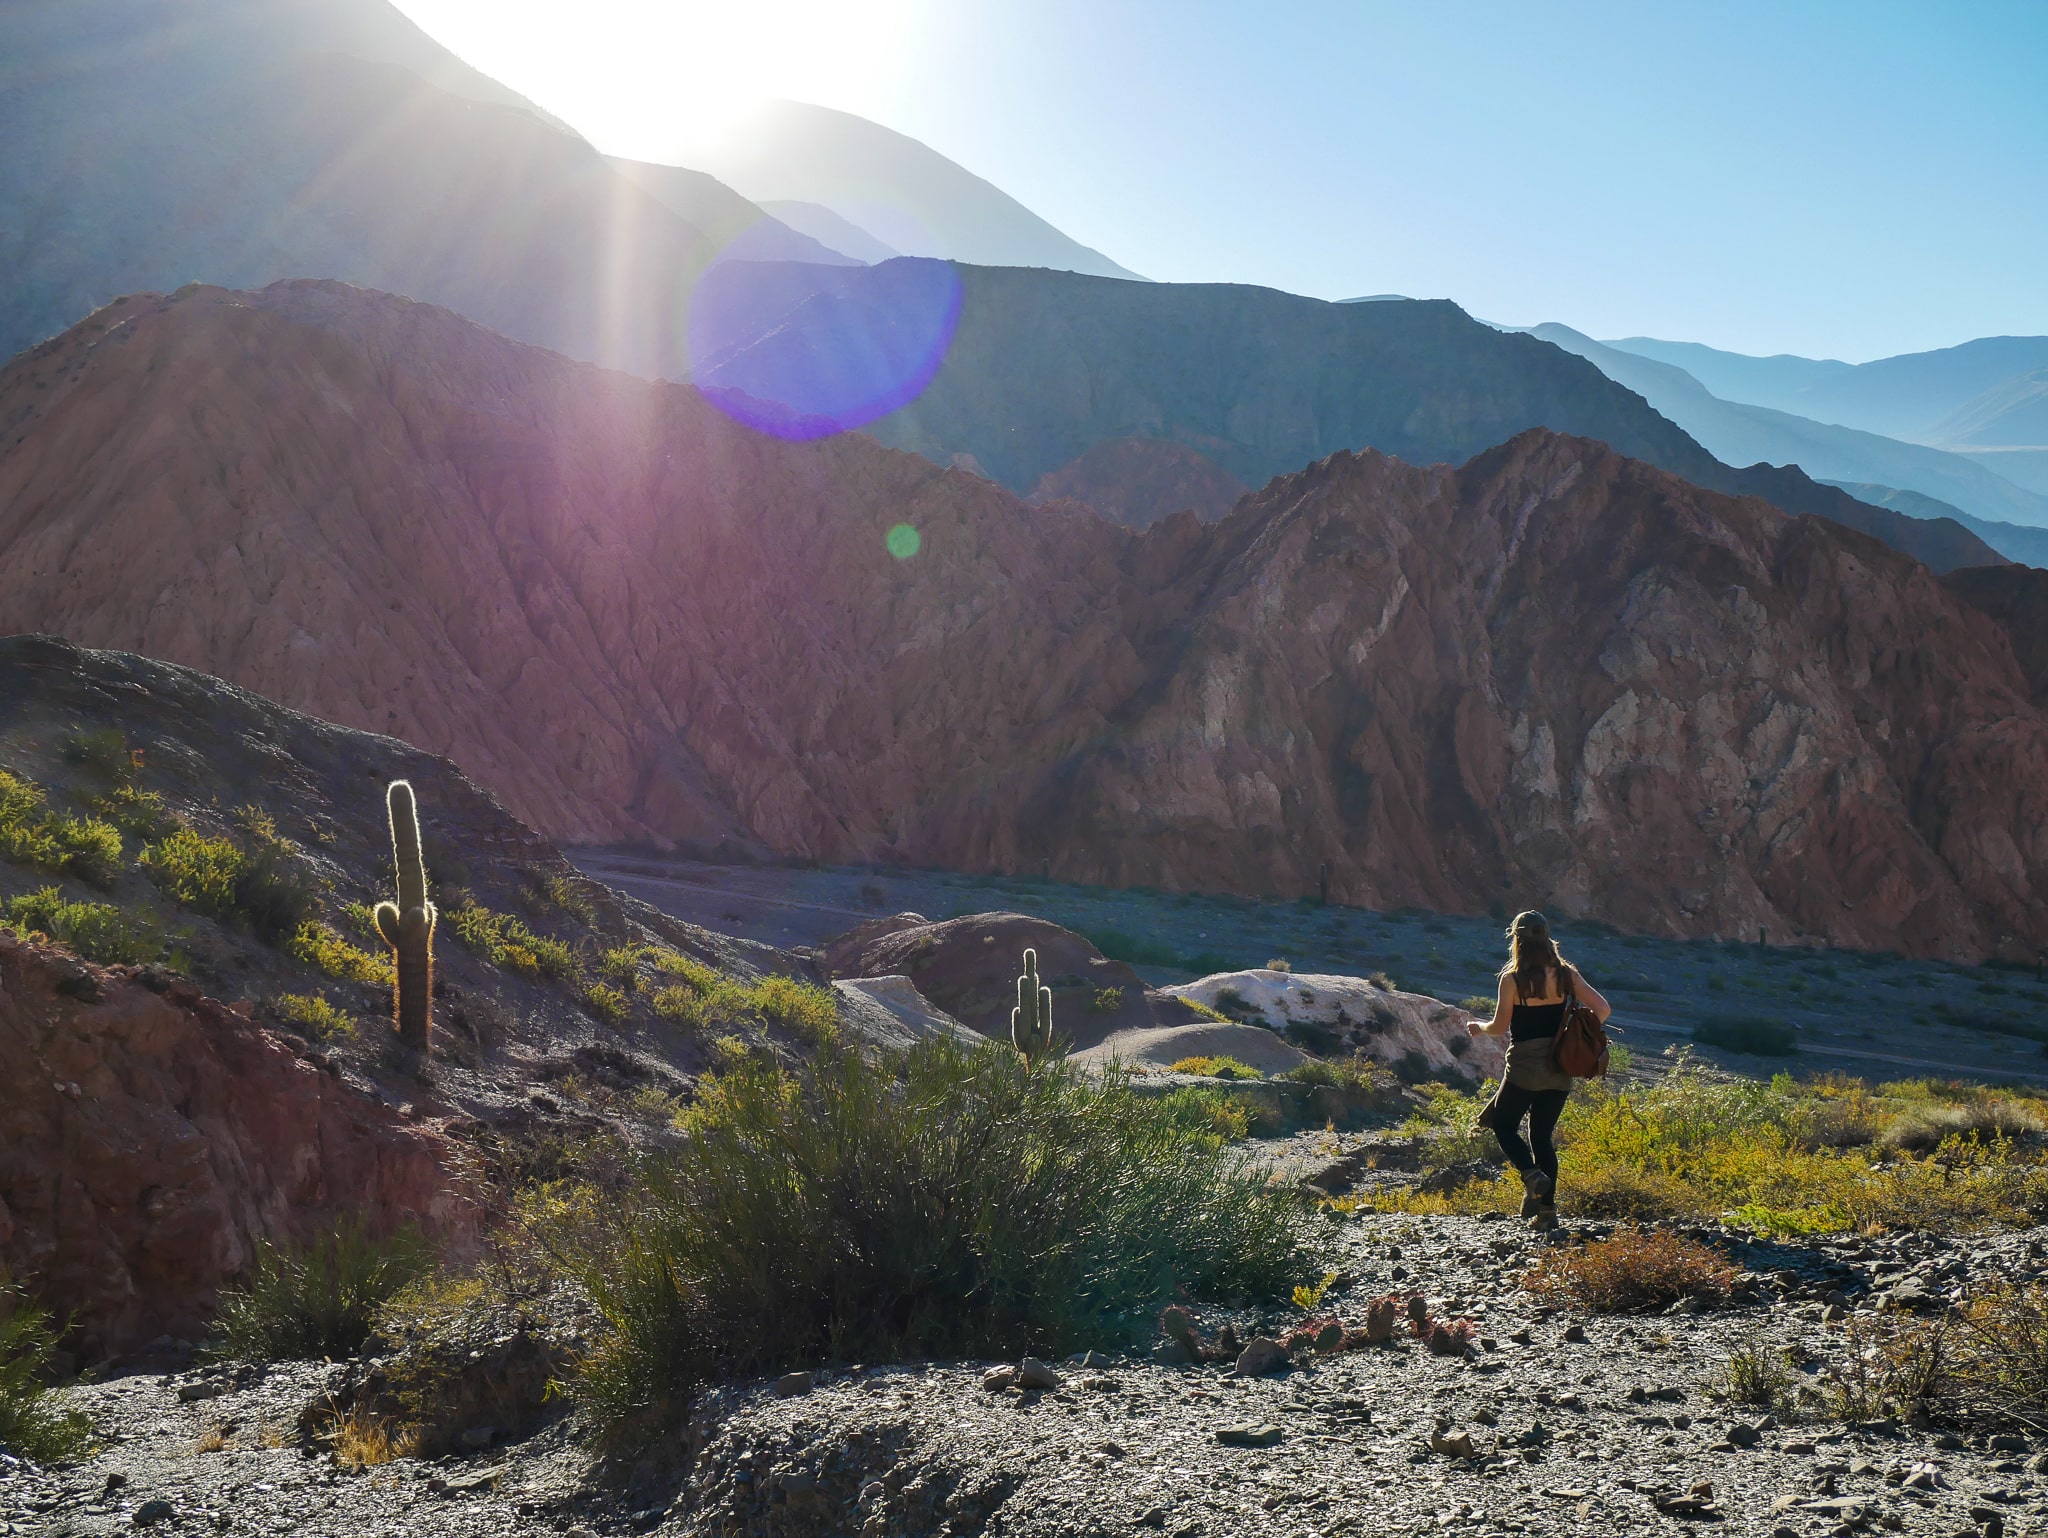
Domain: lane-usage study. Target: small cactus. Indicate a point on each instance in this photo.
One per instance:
(1031, 1020)
(1379, 1321)
(408, 924)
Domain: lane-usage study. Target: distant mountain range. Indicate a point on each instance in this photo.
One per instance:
(1987, 398)
(1742, 434)
(906, 198)
(1045, 367)
(1549, 674)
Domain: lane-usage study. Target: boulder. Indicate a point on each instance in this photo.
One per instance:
(1412, 1033)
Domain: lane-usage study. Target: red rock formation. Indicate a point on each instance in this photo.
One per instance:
(1554, 675)
(148, 1138)
(1138, 481)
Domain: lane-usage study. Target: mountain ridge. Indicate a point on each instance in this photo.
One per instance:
(633, 618)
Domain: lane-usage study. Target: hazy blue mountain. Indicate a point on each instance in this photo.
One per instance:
(1907, 396)
(737, 226)
(1740, 434)
(1044, 366)
(243, 141)
(898, 191)
(2027, 546)
(820, 223)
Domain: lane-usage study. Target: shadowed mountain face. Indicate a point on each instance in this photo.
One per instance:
(1138, 481)
(1554, 675)
(237, 142)
(1046, 366)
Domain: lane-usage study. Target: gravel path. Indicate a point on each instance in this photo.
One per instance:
(1617, 1430)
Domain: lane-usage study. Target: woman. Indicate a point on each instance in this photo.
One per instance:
(1529, 1010)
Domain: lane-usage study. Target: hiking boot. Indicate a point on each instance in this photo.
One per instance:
(1545, 1216)
(1536, 1188)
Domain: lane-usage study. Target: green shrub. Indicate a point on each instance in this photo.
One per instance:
(320, 946)
(98, 932)
(274, 892)
(680, 1003)
(620, 966)
(299, 1303)
(950, 1202)
(504, 941)
(1211, 1067)
(196, 871)
(311, 1013)
(32, 834)
(1207, 1116)
(1356, 1076)
(31, 1425)
(1747, 1033)
(606, 1002)
(255, 879)
(1107, 1001)
(1480, 1004)
(1205, 963)
(140, 814)
(694, 973)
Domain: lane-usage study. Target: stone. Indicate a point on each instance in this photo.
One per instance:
(478, 1437)
(1171, 1353)
(1575, 1334)
(2005, 1443)
(1250, 1435)
(996, 1379)
(1033, 1374)
(791, 1384)
(1740, 1435)
(1261, 1354)
(1453, 1444)
(151, 1512)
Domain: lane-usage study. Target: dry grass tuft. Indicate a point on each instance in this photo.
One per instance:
(363, 1440)
(1636, 1271)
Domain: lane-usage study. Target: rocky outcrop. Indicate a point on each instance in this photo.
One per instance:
(1553, 676)
(150, 1135)
(1353, 1016)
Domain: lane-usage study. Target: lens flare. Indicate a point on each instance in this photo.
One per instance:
(804, 352)
(904, 541)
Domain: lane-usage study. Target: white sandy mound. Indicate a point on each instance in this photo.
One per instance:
(1161, 1046)
(1352, 1014)
(890, 1012)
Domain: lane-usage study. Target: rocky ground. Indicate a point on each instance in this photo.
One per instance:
(1573, 1423)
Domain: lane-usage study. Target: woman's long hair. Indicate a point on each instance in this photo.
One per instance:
(1532, 953)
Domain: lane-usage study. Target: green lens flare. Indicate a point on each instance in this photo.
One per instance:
(903, 542)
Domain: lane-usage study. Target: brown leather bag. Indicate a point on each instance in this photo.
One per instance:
(1580, 1046)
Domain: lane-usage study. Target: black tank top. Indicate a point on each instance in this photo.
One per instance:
(1530, 1021)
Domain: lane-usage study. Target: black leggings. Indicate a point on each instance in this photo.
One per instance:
(1542, 1107)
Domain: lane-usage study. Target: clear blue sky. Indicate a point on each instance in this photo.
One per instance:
(1839, 180)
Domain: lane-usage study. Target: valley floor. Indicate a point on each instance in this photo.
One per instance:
(1876, 1017)
(1599, 1429)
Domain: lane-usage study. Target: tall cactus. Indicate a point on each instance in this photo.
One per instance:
(408, 924)
(1031, 1020)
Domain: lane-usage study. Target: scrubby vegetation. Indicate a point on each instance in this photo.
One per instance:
(949, 1202)
(1984, 1363)
(1786, 1157)
(32, 834)
(322, 946)
(1216, 1068)
(506, 941)
(32, 1424)
(99, 932)
(313, 1014)
(255, 879)
(302, 1302)
(1635, 1271)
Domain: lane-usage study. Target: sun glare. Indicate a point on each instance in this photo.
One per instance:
(651, 78)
